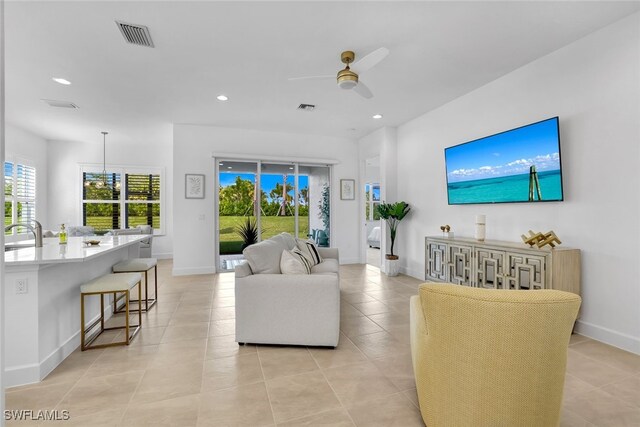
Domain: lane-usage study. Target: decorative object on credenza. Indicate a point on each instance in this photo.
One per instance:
(347, 189)
(541, 239)
(481, 227)
(392, 213)
(193, 186)
(446, 231)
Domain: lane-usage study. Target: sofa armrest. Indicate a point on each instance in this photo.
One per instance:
(243, 270)
(329, 253)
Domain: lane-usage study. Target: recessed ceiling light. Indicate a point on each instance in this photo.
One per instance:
(61, 81)
(222, 98)
(290, 168)
(377, 116)
(229, 167)
(221, 164)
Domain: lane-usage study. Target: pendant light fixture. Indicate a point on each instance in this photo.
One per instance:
(103, 183)
(104, 157)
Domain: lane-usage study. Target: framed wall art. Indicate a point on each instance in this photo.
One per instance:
(193, 186)
(347, 189)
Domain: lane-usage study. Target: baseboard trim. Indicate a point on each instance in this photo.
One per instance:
(416, 274)
(193, 271)
(609, 336)
(21, 375)
(57, 356)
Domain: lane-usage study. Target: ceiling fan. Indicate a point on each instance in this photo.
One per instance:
(348, 78)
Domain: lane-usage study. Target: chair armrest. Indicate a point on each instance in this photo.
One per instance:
(329, 253)
(243, 270)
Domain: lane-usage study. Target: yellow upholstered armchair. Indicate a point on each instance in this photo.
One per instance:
(490, 357)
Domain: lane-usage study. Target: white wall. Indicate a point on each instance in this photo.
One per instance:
(593, 85)
(193, 148)
(65, 182)
(24, 147)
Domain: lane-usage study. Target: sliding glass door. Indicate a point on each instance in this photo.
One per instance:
(258, 200)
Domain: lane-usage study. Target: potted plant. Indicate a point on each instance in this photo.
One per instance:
(392, 213)
(248, 232)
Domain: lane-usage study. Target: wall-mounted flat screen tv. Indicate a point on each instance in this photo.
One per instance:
(519, 165)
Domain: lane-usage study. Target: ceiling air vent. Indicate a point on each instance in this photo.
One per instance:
(60, 104)
(306, 107)
(135, 34)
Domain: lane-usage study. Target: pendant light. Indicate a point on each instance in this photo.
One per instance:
(104, 158)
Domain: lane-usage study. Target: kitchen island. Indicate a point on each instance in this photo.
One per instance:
(42, 299)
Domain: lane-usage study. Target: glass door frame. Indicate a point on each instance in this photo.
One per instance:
(258, 184)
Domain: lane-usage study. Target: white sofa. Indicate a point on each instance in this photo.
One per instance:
(291, 309)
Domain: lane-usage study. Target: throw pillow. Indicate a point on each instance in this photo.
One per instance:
(310, 251)
(294, 262)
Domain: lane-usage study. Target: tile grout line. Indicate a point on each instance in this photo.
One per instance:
(273, 415)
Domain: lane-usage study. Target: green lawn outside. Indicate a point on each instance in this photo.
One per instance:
(230, 242)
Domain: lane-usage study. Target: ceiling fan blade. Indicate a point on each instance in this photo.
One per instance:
(369, 61)
(313, 77)
(362, 90)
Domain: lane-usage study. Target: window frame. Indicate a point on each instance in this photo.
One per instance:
(14, 199)
(123, 202)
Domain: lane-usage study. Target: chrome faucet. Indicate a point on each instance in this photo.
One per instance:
(37, 230)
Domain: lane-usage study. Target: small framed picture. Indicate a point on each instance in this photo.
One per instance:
(193, 186)
(347, 189)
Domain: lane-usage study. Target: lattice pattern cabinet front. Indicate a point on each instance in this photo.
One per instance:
(501, 265)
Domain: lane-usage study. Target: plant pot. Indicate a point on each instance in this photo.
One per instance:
(391, 265)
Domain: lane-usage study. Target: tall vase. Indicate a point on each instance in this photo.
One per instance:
(481, 224)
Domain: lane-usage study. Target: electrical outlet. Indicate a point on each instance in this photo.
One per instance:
(21, 286)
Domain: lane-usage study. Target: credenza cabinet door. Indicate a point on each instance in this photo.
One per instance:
(437, 261)
(490, 270)
(526, 271)
(460, 263)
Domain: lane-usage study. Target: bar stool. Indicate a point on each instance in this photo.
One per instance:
(109, 284)
(139, 265)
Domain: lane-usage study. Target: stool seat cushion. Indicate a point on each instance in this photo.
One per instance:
(135, 264)
(111, 283)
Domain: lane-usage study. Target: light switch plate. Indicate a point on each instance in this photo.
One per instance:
(21, 286)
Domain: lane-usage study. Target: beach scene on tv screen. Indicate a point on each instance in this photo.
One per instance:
(521, 165)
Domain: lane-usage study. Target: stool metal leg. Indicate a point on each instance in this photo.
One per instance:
(82, 346)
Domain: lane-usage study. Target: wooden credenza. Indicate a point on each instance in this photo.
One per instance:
(501, 265)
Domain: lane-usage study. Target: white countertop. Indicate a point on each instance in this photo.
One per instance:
(52, 252)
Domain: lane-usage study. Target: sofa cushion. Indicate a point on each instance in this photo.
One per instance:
(294, 262)
(329, 265)
(310, 251)
(264, 257)
(286, 240)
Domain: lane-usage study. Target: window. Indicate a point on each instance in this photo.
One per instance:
(122, 198)
(20, 195)
(372, 195)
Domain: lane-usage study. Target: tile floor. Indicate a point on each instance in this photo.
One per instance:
(185, 369)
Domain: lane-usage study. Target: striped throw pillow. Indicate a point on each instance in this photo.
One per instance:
(294, 262)
(310, 251)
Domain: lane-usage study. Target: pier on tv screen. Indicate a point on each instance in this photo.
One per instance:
(519, 165)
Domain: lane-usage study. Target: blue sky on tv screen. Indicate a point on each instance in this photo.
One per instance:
(506, 154)
(267, 181)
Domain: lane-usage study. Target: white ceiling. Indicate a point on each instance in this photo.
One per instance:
(247, 50)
